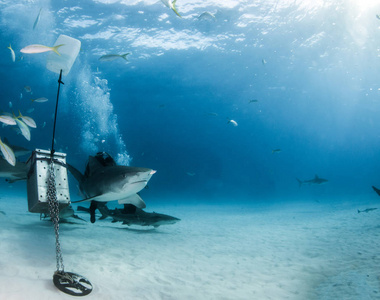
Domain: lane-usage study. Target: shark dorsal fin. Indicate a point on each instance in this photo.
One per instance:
(316, 176)
(92, 165)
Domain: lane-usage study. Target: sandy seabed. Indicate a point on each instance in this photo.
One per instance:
(288, 250)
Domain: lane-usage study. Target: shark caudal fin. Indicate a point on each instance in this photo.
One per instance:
(376, 190)
(299, 182)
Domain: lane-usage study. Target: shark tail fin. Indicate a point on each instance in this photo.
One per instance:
(175, 9)
(299, 182)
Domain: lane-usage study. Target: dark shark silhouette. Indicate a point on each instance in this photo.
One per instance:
(13, 173)
(315, 180)
(131, 215)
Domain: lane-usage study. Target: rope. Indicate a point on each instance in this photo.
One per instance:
(52, 191)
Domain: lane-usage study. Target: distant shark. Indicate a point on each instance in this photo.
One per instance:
(316, 180)
(13, 173)
(105, 181)
(366, 210)
(17, 150)
(132, 215)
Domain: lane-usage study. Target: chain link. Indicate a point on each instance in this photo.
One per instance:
(54, 214)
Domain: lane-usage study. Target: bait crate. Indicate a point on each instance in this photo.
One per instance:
(37, 181)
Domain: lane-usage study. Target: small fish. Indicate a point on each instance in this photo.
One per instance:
(190, 173)
(10, 104)
(23, 128)
(263, 61)
(37, 19)
(366, 210)
(40, 100)
(276, 151)
(253, 101)
(233, 122)
(172, 6)
(7, 120)
(43, 125)
(207, 16)
(27, 120)
(13, 55)
(111, 57)
(35, 48)
(30, 110)
(8, 153)
(27, 89)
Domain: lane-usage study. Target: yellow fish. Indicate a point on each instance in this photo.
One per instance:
(23, 128)
(171, 5)
(111, 57)
(35, 48)
(27, 120)
(8, 153)
(12, 53)
(7, 120)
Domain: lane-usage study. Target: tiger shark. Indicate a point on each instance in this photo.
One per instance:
(105, 181)
(315, 180)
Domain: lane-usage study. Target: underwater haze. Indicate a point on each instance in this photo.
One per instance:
(233, 102)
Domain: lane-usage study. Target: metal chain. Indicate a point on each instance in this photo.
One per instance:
(54, 214)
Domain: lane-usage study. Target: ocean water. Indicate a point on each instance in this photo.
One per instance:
(231, 103)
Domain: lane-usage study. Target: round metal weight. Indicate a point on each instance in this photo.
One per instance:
(72, 284)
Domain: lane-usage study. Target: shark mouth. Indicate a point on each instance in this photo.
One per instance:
(140, 181)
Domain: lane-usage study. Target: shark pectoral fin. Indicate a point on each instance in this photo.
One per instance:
(95, 198)
(135, 200)
(79, 201)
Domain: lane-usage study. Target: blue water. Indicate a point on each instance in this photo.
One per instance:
(247, 229)
(313, 66)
